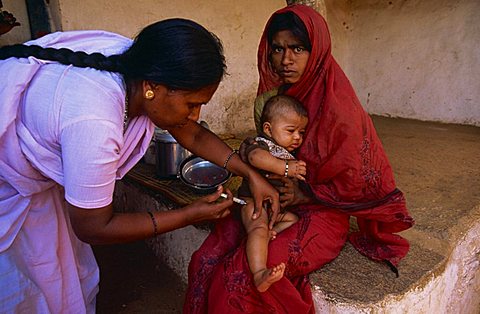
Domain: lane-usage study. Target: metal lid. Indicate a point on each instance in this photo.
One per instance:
(201, 174)
(164, 136)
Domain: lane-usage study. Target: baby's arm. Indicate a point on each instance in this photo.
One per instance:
(262, 159)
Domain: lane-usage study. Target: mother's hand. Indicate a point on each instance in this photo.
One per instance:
(242, 151)
(290, 192)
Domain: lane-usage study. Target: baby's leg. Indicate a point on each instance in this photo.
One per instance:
(286, 220)
(258, 236)
(257, 249)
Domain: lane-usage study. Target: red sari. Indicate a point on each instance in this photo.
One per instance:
(348, 174)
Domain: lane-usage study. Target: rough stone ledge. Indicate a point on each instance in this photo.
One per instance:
(428, 282)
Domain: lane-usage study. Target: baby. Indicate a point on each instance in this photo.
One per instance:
(283, 125)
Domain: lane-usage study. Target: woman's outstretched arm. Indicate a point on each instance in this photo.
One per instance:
(104, 226)
(206, 144)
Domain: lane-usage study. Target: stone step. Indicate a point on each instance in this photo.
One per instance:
(428, 283)
(353, 278)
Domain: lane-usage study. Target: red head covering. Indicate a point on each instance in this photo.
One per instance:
(347, 167)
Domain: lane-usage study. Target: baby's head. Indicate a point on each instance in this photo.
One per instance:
(284, 119)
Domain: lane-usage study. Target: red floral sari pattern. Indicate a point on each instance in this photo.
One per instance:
(370, 174)
(296, 264)
(199, 285)
(241, 292)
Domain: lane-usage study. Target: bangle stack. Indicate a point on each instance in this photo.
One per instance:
(154, 221)
(286, 169)
(229, 157)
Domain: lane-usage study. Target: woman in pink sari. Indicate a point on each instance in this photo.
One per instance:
(348, 175)
(77, 111)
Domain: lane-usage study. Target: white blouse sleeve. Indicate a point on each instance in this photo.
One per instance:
(90, 153)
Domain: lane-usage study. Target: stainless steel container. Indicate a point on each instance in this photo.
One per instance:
(169, 154)
(202, 175)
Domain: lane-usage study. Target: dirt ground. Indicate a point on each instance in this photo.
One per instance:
(133, 281)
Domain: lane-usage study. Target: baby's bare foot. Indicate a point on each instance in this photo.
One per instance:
(265, 278)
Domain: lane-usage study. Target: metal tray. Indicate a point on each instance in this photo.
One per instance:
(201, 174)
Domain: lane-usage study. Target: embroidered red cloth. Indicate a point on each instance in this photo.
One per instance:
(349, 174)
(347, 165)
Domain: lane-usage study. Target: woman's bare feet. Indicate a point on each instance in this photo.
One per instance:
(265, 278)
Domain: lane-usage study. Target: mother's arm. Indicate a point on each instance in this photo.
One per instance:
(290, 193)
(206, 144)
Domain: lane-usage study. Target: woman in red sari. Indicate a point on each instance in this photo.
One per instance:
(348, 175)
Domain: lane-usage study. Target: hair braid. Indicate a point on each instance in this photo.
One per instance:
(177, 53)
(64, 56)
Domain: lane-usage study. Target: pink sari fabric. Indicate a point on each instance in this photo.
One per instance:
(44, 267)
(348, 174)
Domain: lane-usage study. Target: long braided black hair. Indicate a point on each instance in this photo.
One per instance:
(178, 53)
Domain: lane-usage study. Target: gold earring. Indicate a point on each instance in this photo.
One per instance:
(149, 94)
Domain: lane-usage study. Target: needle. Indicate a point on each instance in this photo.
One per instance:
(235, 199)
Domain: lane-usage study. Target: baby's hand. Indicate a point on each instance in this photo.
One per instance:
(297, 169)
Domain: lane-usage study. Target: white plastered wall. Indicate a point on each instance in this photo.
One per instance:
(410, 58)
(405, 58)
(238, 24)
